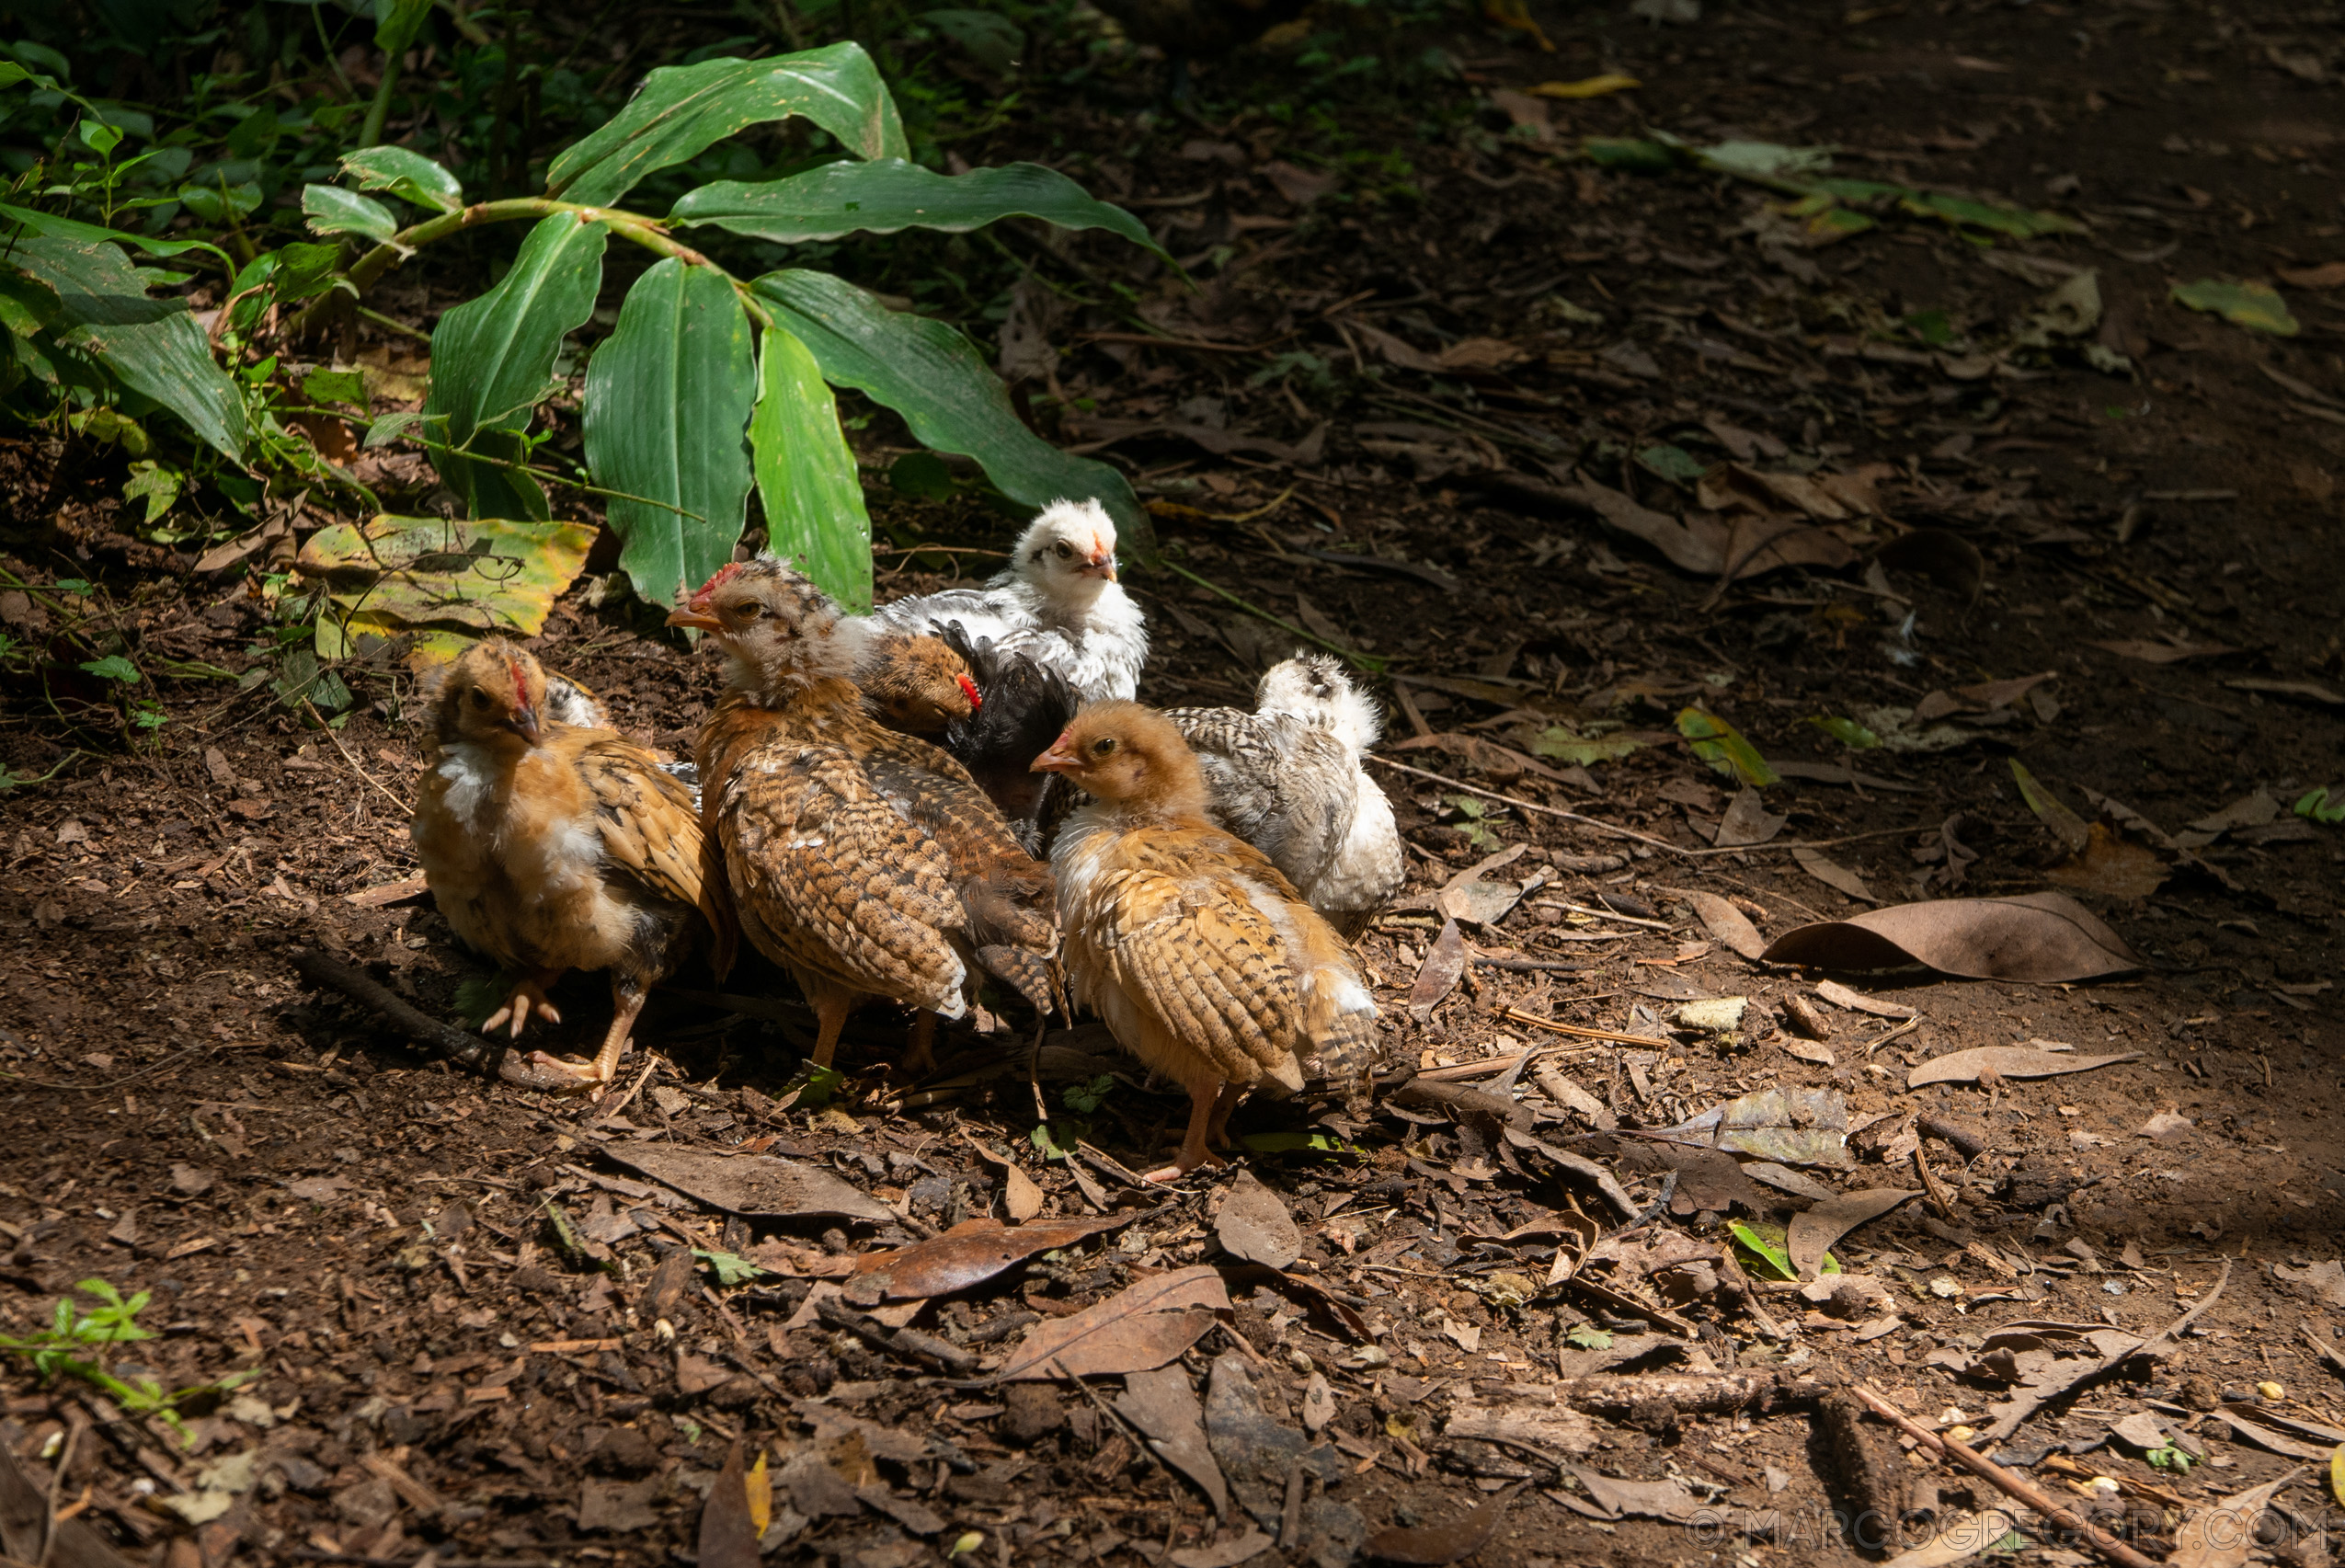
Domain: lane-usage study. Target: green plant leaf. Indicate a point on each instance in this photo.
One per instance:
(396, 22)
(891, 194)
(113, 667)
(806, 474)
(2318, 806)
(152, 346)
(1674, 464)
(405, 174)
(492, 359)
(682, 111)
(448, 582)
(50, 225)
(730, 1268)
(1588, 1336)
(1721, 745)
(1961, 211)
(2256, 306)
(334, 210)
(991, 38)
(936, 378)
(1847, 731)
(1763, 160)
(1636, 156)
(667, 400)
(323, 385)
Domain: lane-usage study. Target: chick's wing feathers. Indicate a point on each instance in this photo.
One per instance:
(830, 875)
(646, 817)
(1194, 951)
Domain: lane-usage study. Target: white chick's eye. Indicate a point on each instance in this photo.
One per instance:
(1063, 549)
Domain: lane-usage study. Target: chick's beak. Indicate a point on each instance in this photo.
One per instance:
(1100, 566)
(970, 687)
(524, 723)
(1059, 759)
(697, 615)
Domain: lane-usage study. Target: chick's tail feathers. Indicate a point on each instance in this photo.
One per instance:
(1339, 1016)
(1014, 930)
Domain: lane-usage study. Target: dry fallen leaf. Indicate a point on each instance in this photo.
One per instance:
(2223, 1535)
(1812, 1232)
(1433, 1545)
(727, 1535)
(2039, 937)
(2006, 1061)
(2111, 867)
(1020, 1196)
(1253, 1225)
(749, 1185)
(1724, 921)
(1166, 1410)
(2149, 652)
(1136, 1330)
(1444, 961)
(967, 1255)
(1748, 821)
(1834, 874)
(1961, 1538)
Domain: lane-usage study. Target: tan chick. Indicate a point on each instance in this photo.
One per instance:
(864, 862)
(1201, 957)
(551, 847)
(914, 684)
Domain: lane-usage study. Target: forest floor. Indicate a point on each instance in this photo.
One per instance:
(1444, 428)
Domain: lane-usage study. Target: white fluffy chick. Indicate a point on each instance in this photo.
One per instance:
(1059, 604)
(1288, 780)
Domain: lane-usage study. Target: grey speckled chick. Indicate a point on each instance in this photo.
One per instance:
(1287, 779)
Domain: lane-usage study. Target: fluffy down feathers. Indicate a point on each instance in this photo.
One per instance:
(550, 847)
(1197, 952)
(1287, 779)
(1059, 604)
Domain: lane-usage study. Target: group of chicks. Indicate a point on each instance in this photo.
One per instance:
(891, 805)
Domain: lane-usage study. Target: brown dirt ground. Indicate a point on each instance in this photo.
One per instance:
(368, 1231)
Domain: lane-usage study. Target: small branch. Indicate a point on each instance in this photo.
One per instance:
(407, 807)
(2010, 1483)
(1373, 666)
(370, 131)
(475, 1053)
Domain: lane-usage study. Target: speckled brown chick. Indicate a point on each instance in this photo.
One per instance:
(864, 862)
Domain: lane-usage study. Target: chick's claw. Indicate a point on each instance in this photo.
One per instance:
(528, 996)
(571, 1077)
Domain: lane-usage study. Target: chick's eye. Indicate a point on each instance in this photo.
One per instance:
(749, 609)
(1102, 746)
(1064, 551)
(480, 698)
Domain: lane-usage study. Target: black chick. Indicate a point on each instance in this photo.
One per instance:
(1023, 707)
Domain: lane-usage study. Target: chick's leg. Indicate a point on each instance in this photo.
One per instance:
(528, 994)
(628, 995)
(1205, 1095)
(831, 1011)
(1224, 1101)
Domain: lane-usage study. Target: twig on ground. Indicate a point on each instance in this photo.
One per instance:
(1581, 1031)
(407, 807)
(2026, 1403)
(2009, 1482)
(908, 1344)
(57, 1488)
(484, 1055)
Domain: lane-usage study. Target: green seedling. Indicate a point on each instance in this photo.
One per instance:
(75, 1346)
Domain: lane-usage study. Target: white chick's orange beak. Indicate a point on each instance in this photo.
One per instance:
(1098, 565)
(1059, 759)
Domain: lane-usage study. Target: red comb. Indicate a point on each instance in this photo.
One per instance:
(520, 683)
(725, 574)
(970, 687)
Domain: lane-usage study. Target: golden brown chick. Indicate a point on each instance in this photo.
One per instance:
(1201, 957)
(550, 847)
(915, 684)
(864, 862)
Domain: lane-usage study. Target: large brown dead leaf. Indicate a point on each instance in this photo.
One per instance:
(1812, 1232)
(1444, 961)
(1253, 1225)
(2223, 1535)
(727, 1536)
(2006, 1061)
(749, 1185)
(1453, 1540)
(2149, 652)
(1834, 874)
(2041, 937)
(1136, 1330)
(970, 1253)
(1166, 1410)
(1724, 921)
(2111, 867)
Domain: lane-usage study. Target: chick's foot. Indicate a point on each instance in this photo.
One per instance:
(528, 996)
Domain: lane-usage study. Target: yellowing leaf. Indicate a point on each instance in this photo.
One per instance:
(2337, 1474)
(446, 582)
(2256, 306)
(761, 1493)
(1721, 745)
(2065, 824)
(1587, 87)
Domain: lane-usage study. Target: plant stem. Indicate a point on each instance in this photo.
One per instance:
(370, 131)
(647, 232)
